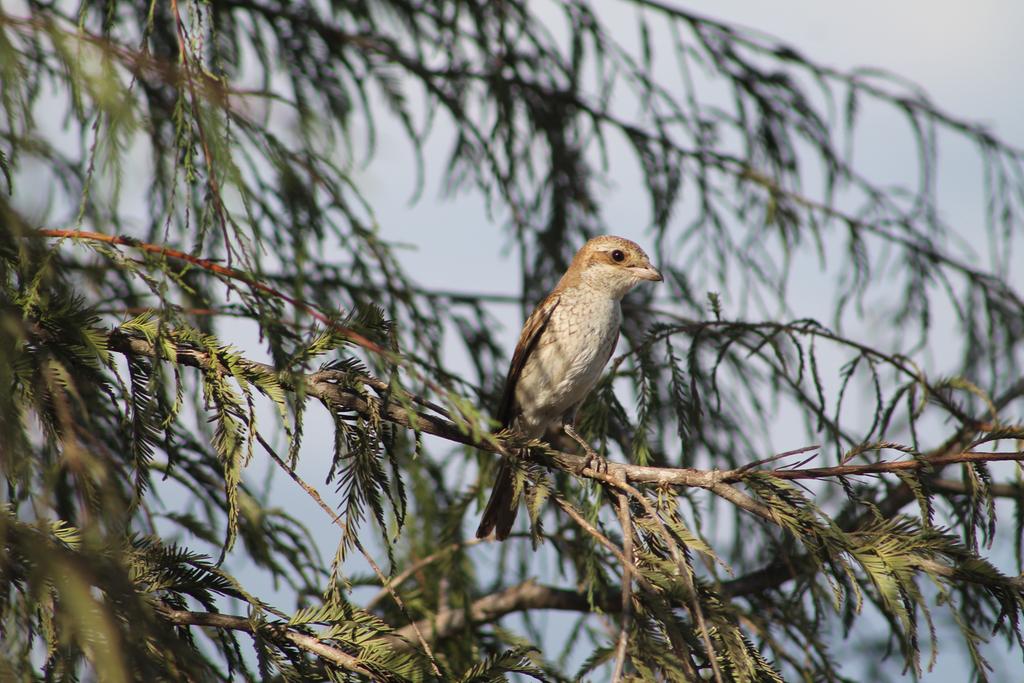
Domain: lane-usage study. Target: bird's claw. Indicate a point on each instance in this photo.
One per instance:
(594, 462)
(590, 459)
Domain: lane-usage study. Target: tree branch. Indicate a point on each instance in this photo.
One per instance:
(530, 595)
(954, 487)
(524, 596)
(928, 462)
(274, 631)
(224, 271)
(626, 522)
(324, 386)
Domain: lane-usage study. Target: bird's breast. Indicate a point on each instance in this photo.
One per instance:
(567, 361)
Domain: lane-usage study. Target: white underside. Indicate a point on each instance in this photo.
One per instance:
(567, 362)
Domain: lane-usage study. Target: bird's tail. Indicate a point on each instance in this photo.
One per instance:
(501, 510)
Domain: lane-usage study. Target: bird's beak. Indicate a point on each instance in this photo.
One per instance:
(647, 273)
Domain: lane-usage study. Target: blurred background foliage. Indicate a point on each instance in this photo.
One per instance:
(172, 170)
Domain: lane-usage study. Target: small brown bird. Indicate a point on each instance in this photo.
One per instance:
(564, 346)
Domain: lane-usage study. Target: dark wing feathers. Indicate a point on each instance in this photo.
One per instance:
(533, 329)
(500, 513)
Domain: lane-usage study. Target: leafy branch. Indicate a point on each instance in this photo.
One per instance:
(323, 386)
(223, 271)
(277, 631)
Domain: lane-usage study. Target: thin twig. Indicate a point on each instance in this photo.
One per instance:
(335, 519)
(684, 569)
(231, 273)
(568, 508)
(627, 585)
(399, 578)
(778, 456)
(401, 605)
(897, 465)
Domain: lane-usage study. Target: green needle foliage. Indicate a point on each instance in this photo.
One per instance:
(181, 178)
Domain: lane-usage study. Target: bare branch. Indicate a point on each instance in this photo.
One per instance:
(626, 522)
(897, 465)
(524, 596)
(954, 487)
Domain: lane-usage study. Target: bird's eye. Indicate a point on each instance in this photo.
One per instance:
(618, 256)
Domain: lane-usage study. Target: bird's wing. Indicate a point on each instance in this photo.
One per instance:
(529, 338)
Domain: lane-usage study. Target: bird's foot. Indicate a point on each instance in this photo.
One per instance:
(590, 458)
(594, 462)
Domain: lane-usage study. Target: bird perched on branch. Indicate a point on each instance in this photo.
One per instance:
(562, 350)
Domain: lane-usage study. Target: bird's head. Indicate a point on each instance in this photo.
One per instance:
(610, 264)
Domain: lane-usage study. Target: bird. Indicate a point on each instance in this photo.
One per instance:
(562, 350)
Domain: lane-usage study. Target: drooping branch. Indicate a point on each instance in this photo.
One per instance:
(223, 271)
